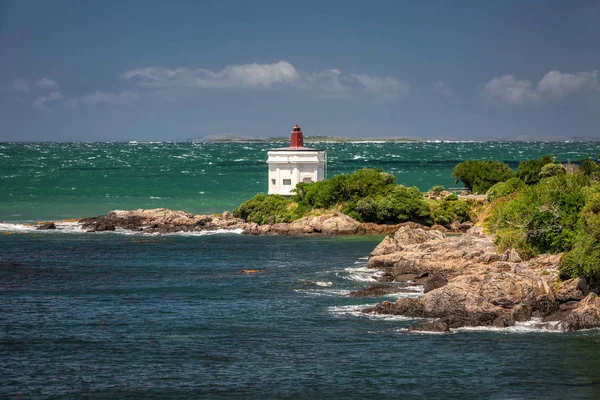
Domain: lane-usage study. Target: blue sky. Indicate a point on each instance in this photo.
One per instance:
(150, 70)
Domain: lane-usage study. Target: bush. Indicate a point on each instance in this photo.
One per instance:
(589, 167)
(552, 169)
(584, 258)
(437, 190)
(529, 171)
(264, 209)
(446, 212)
(343, 188)
(367, 195)
(502, 189)
(400, 205)
(540, 219)
(479, 176)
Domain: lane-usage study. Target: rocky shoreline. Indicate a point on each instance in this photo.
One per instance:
(168, 221)
(466, 283)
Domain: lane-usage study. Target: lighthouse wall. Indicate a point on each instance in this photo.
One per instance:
(289, 167)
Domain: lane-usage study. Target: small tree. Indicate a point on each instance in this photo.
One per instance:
(479, 176)
(529, 171)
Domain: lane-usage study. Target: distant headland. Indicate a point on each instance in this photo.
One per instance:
(308, 139)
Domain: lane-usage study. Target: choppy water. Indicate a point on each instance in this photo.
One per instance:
(117, 316)
(121, 315)
(42, 181)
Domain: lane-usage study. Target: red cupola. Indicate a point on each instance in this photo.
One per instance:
(296, 140)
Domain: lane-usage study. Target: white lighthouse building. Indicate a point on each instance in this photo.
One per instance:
(290, 165)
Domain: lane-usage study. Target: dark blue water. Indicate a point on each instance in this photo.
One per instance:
(116, 316)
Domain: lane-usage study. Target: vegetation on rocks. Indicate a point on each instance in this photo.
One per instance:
(558, 212)
(529, 171)
(479, 176)
(368, 195)
(502, 189)
(264, 209)
(542, 208)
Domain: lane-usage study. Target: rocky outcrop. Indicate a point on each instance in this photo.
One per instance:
(467, 284)
(161, 220)
(327, 224)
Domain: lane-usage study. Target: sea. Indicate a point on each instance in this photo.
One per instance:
(118, 315)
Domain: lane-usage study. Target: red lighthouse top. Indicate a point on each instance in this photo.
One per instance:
(296, 140)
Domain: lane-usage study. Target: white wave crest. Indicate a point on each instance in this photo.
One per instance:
(323, 292)
(361, 274)
(411, 292)
(64, 227)
(533, 325)
(356, 311)
(75, 227)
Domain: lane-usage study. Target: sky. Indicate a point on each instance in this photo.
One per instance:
(157, 70)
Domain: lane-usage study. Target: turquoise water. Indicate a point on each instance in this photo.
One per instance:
(42, 181)
(114, 315)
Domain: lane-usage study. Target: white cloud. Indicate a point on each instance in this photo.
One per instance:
(384, 88)
(46, 83)
(232, 76)
(556, 84)
(331, 83)
(553, 85)
(41, 102)
(126, 98)
(510, 90)
(20, 85)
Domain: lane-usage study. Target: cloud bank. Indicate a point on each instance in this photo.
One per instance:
(329, 82)
(554, 85)
(232, 76)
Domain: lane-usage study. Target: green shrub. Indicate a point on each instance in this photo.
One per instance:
(451, 197)
(589, 167)
(502, 189)
(445, 212)
(542, 218)
(584, 258)
(479, 176)
(437, 190)
(264, 209)
(343, 188)
(529, 171)
(552, 169)
(399, 205)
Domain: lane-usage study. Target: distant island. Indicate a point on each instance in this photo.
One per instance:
(307, 139)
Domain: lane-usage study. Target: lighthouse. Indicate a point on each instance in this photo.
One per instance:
(291, 165)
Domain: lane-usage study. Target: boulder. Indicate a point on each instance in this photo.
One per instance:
(406, 235)
(46, 226)
(437, 326)
(432, 282)
(572, 289)
(376, 290)
(585, 315)
(465, 226)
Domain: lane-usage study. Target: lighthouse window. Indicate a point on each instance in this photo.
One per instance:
(272, 181)
(287, 181)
